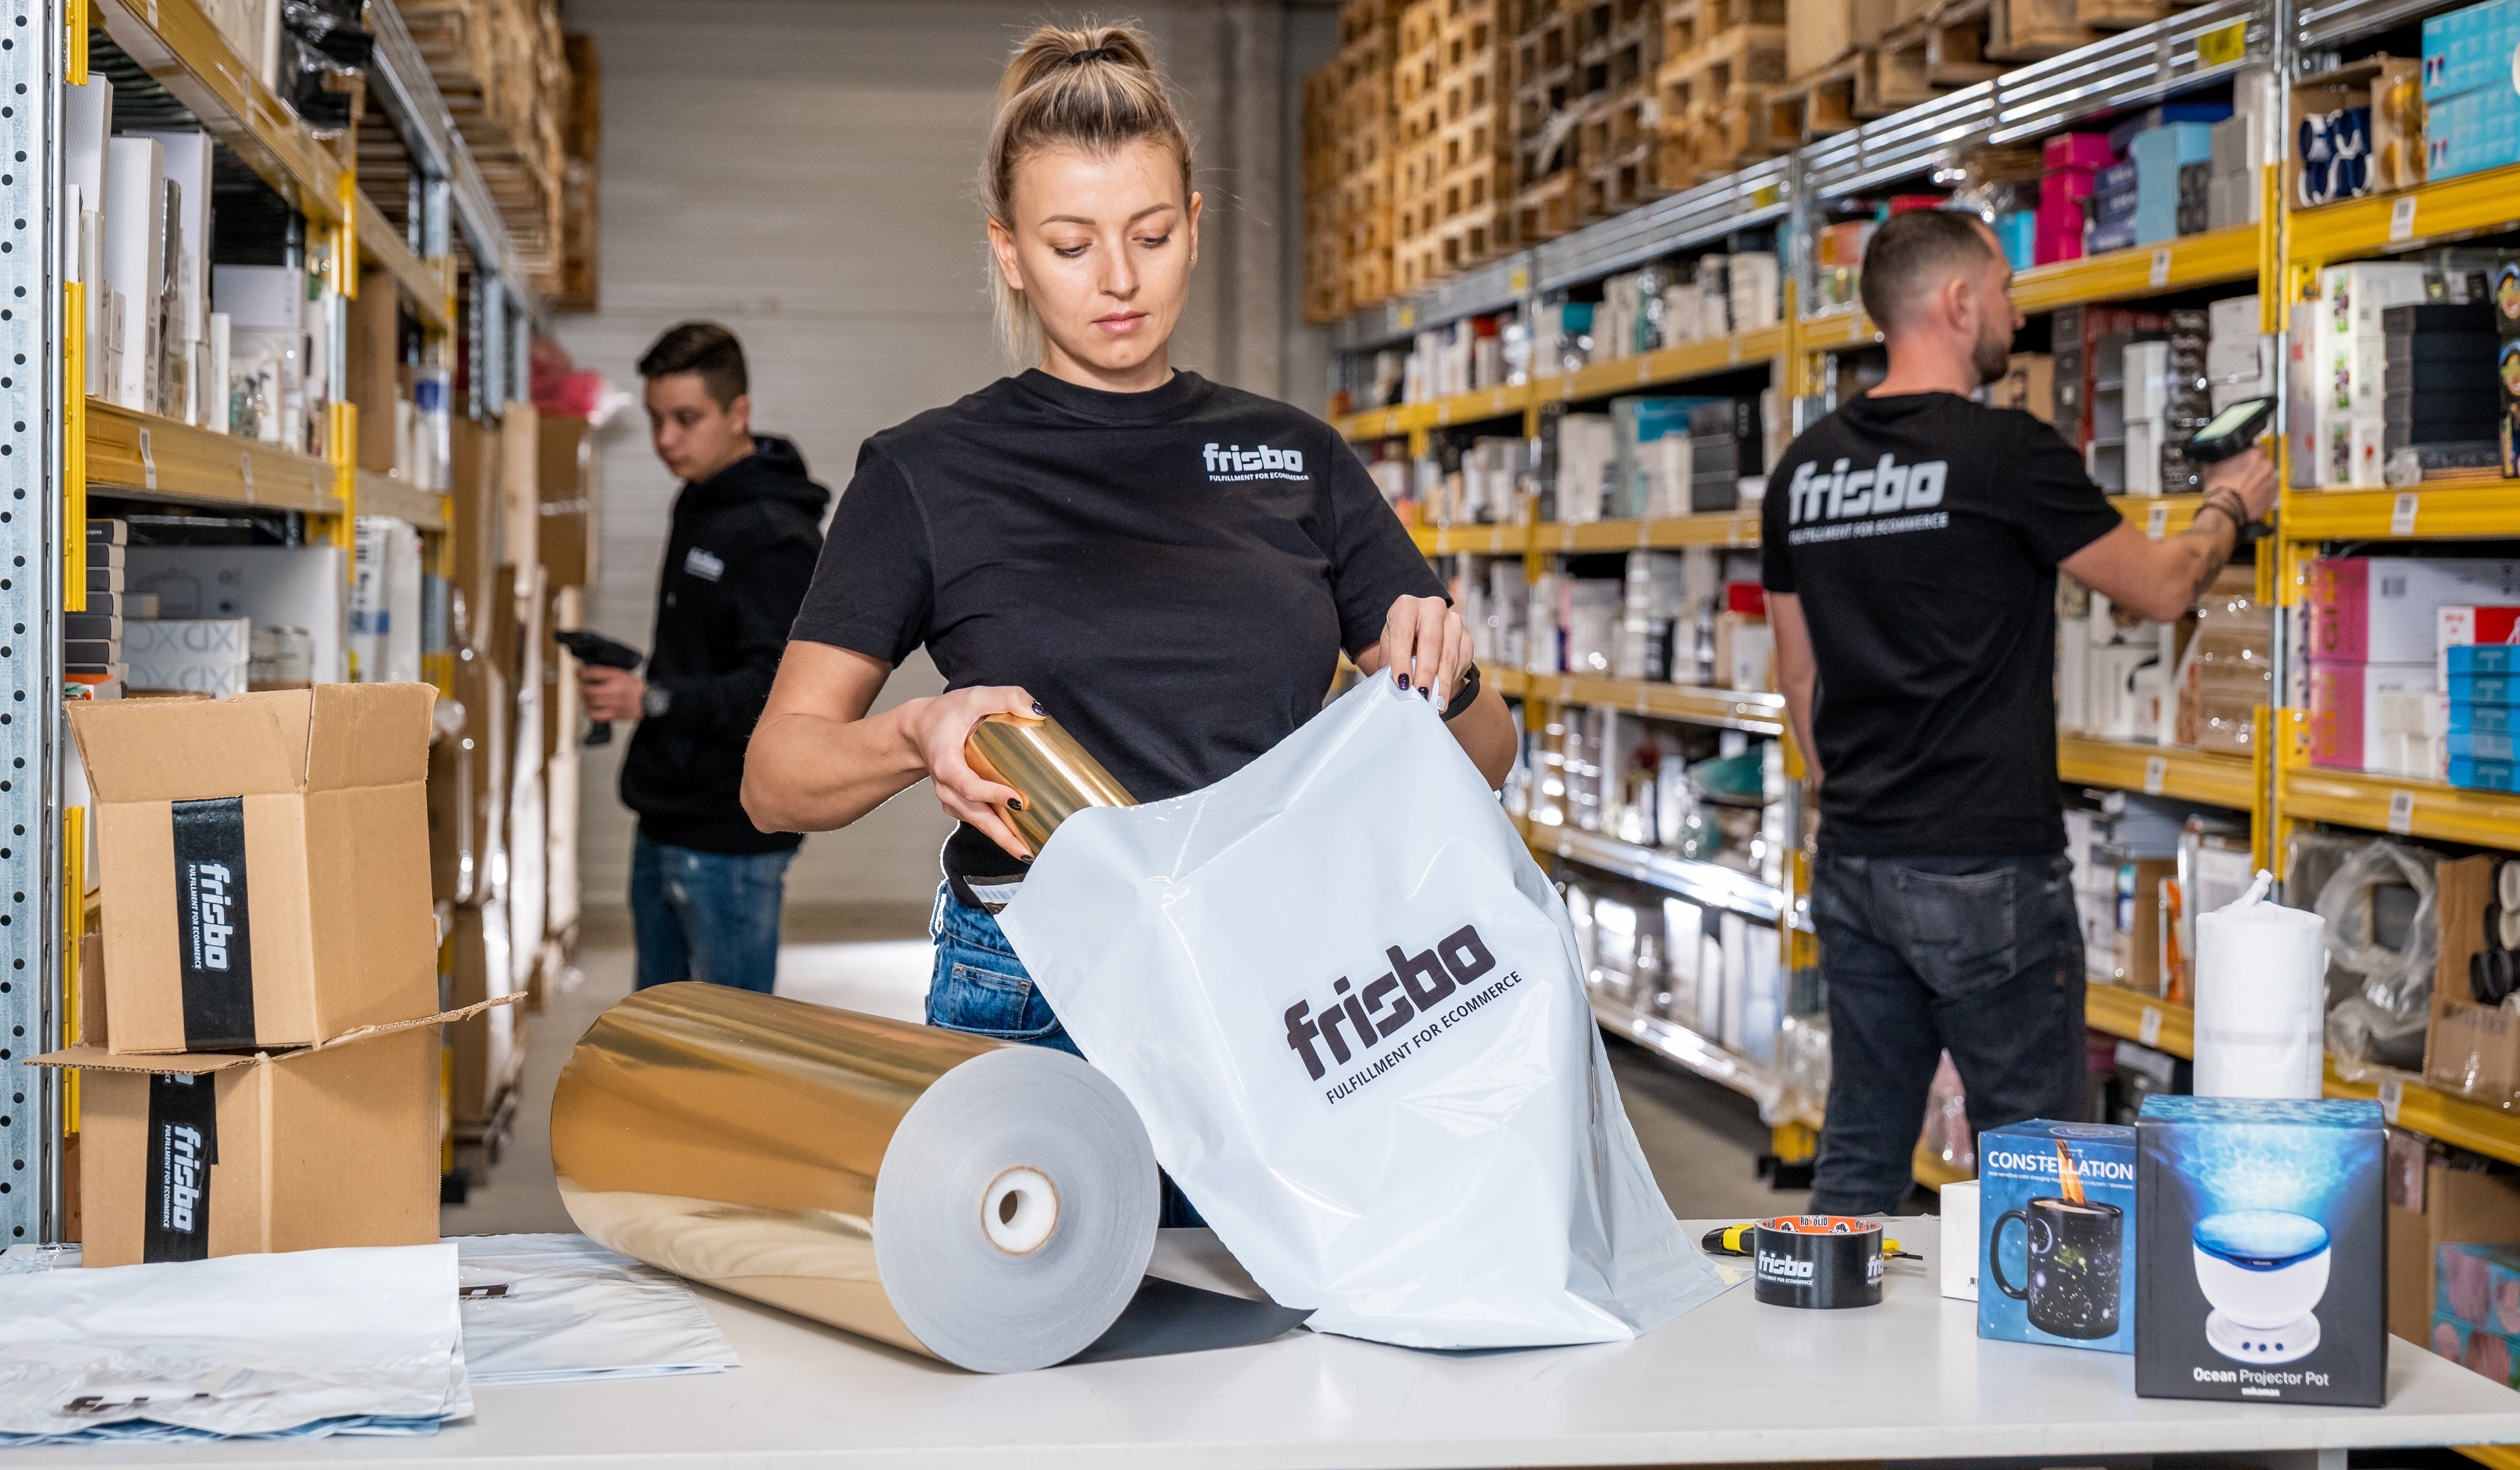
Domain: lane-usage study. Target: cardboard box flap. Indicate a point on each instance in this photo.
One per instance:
(192, 749)
(369, 735)
(197, 1064)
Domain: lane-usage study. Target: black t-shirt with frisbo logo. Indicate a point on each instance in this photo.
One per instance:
(1173, 574)
(1920, 534)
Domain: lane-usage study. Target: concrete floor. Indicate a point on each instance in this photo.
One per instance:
(1700, 1138)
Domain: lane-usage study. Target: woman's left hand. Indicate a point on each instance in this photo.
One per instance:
(1425, 645)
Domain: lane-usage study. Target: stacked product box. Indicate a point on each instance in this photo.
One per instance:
(2374, 655)
(2506, 360)
(2472, 110)
(2116, 195)
(2476, 1308)
(2073, 162)
(2240, 356)
(2339, 373)
(2479, 660)
(2162, 158)
(1725, 447)
(2168, 398)
(2075, 333)
(2439, 385)
(92, 648)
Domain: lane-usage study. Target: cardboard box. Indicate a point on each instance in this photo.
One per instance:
(520, 506)
(2454, 1206)
(482, 690)
(485, 1049)
(374, 384)
(195, 1155)
(2470, 1051)
(2262, 1275)
(453, 864)
(473, 481)
(2071, 1280)
(564, 486)
(268, 861)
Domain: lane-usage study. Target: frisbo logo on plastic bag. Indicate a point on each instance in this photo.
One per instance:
(1409, 991)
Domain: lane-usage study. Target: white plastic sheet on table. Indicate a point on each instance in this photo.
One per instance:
(351, 1341)
(1468, 1180)
(560, 1309)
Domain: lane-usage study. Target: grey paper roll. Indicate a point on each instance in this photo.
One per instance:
(987, 1204)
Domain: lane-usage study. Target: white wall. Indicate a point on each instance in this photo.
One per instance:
(801, 171)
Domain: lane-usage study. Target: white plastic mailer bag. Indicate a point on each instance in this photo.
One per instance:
(1346, 1003)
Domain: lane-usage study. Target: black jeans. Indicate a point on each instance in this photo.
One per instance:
(1980, 956)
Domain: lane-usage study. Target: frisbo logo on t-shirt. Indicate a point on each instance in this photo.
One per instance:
(1232, 462)
(1834, 494)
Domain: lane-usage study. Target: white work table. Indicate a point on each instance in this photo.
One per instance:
(1733, 1382)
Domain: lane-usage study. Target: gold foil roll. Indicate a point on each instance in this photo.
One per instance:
(988, 1204)
(1044, 762)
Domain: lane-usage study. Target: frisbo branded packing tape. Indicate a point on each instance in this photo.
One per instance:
(987, 1204)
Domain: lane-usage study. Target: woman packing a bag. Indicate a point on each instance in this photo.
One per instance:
(1168, 566)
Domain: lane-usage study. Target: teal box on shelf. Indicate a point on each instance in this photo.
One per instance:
(2470, 49)
(2263, 1276)
(2472, 131)
(2056, 1239)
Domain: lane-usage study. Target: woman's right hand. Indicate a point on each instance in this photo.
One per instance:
(940, 727)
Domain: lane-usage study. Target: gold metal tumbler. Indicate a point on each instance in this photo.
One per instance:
(1044, 762)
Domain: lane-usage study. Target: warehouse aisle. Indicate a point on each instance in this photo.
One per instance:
(1700, 1138)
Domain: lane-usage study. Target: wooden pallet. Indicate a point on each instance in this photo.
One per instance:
(1546, 208)
(1721, 140)
(1705, 79)
(1831, 99)
(2015, 30)
(2120, 15)
(1920, 61)
(1478, 237)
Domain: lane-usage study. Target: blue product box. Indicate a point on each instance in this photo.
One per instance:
(2466, 746)
(2118, 178)
(2481, 719)
(2484, 689)
(2158, 156)
(2472, 131)
(2485, 776)
(2118, 235)
(2056, 1264)
(2018, 228)
(2115, 206)
(2262, 1270)
(2482, 659)
(2470, 48)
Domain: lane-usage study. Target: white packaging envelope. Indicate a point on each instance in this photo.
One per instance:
(1466, 1178)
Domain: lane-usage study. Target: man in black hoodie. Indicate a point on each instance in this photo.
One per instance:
(704, 883)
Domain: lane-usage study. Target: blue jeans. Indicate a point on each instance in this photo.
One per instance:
(1980, 956)
(709, 916)
(980, 988)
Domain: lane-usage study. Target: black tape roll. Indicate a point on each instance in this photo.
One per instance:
(1823, 1261)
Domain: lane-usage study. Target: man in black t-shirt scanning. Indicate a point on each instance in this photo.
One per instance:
(706, 883)
(1910, 547)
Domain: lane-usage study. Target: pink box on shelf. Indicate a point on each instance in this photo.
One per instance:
(2386, 609)
(2347, 726)
(2065, 186)
(2079, 150)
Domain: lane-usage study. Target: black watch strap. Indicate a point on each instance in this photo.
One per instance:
(1466, 696)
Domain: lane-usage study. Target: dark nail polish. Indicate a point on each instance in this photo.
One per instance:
(1404, 681)
(1428, 694)
(1037, 710)
(1015, 803)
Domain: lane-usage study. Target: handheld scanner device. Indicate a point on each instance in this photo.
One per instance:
(2231, 431)
(592, 647)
